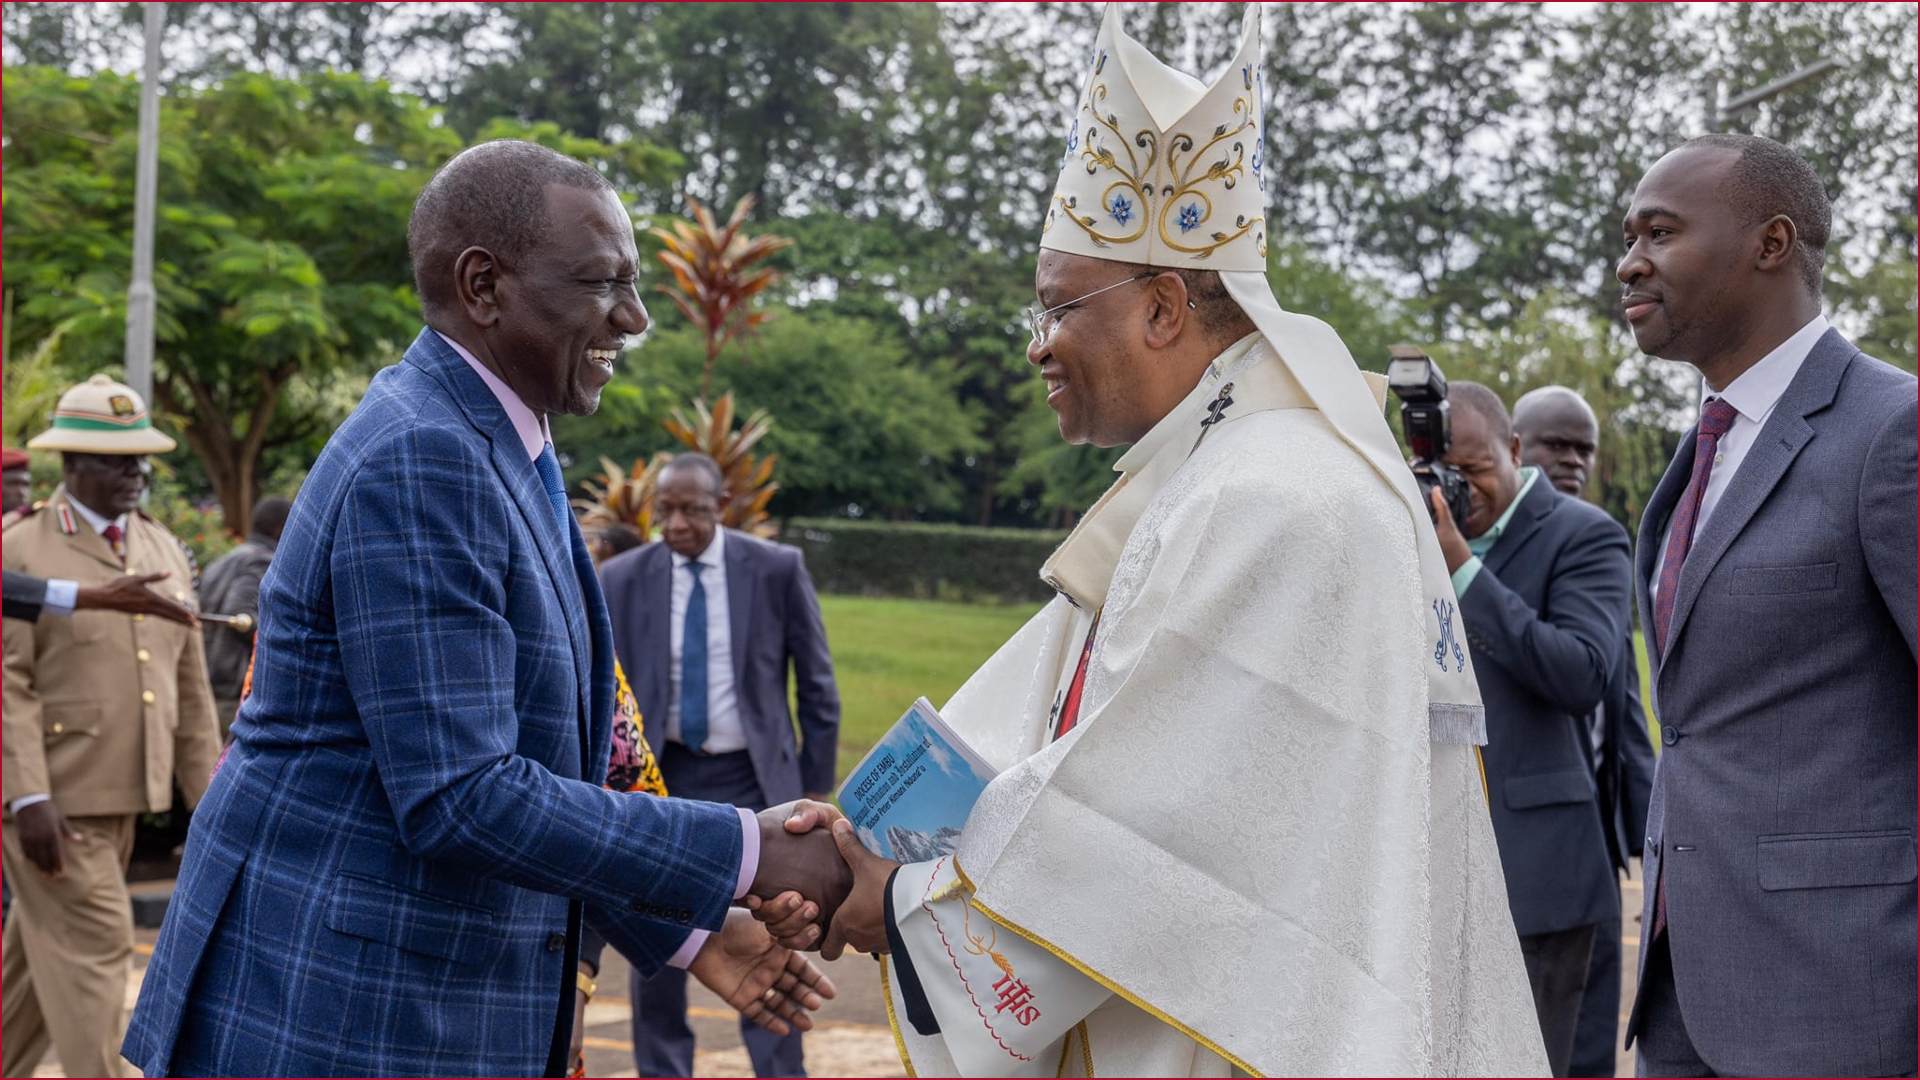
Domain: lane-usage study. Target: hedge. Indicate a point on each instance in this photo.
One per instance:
(910, 559)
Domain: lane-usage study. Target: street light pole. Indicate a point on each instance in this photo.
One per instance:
(1740, 103)
(140, 295)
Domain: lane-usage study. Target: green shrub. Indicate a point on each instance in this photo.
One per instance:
(909, 559)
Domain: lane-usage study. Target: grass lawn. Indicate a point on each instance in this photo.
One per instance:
(888, 652)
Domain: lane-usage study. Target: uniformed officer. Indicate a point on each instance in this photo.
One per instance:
(16, 483)
(101, 713)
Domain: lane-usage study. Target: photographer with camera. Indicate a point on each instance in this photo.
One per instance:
(1543, 582)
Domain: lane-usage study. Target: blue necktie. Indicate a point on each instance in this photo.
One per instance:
(693, 667)
(549, 468)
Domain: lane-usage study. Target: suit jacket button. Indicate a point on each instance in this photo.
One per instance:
(1669, 735)
(556, 942)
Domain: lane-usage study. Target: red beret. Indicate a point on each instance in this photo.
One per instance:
(14, 459)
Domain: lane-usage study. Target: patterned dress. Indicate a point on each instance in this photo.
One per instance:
(632, 767)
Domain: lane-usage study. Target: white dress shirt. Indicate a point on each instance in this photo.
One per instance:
(725, 733)
(1753, 396)
(69, 591)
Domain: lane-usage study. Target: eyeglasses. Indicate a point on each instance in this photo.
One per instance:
(1043, 323)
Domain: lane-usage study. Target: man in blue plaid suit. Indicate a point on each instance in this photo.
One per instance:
(389, 872)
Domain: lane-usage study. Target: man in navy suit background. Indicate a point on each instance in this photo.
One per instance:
(1559, 434)
(707, 622)
(1775, 574)
(1543, 587)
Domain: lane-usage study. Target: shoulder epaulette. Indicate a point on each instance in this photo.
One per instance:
(19, 514)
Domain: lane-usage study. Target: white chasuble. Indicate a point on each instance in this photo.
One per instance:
(1251, 855)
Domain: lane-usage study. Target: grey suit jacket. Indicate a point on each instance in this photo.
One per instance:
(1784, 804)
(774, 617)
(1545, 617)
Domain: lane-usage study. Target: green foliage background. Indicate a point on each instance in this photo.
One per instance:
(1449, 174)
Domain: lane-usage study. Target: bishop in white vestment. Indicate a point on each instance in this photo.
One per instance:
(1240, 828)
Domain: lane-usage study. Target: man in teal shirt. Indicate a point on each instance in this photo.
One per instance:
(1544, 583)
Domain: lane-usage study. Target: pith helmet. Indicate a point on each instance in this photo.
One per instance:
(101, 416)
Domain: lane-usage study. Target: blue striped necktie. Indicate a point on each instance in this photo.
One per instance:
(693, 666)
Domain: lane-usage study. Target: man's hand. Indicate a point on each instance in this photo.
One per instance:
(129, 593)
(792, 919)
(1452, 544)
(862, 920)
(770, 985)
(797, 858)
(42, 828)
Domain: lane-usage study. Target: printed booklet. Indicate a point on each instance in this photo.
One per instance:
(910, 796)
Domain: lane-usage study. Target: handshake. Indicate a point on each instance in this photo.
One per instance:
(817, 887)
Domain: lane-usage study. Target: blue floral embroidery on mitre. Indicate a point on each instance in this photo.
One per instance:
(1121, 209)
(1260, 129)
(1189, 217)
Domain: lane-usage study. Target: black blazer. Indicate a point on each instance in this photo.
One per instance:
(774, 617)
(22, 596)
(1545, 618)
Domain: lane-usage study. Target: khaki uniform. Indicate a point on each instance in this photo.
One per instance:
(102, 711)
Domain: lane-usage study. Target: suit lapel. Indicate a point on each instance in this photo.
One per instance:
(1523, 526)
(1786, 433)
(1653, 525)
(660, 646)
(527, 493)
(598, 721)
(743, 580)
(84, 540)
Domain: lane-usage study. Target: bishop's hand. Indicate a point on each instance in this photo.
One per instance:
(861, 921)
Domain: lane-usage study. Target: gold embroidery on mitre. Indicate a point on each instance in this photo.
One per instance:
(1134, 179)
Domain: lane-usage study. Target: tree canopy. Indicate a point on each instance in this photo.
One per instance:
(1446, 174)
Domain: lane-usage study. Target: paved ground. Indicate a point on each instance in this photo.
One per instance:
(851, 1037)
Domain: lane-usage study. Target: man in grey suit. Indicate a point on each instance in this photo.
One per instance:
(1559, 434)
(1776, 579)
(707, 622)
(1543, 582)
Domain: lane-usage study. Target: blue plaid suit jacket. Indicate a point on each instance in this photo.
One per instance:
(387, 875)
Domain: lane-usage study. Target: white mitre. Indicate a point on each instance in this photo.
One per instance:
(1162, 169)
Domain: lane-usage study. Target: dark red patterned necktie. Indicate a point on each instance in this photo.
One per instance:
(1715, 419)
(112, 535)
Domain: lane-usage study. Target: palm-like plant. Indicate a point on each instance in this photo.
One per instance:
(627, 496)
(749, 480)
(623, 497)
(714, 282)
